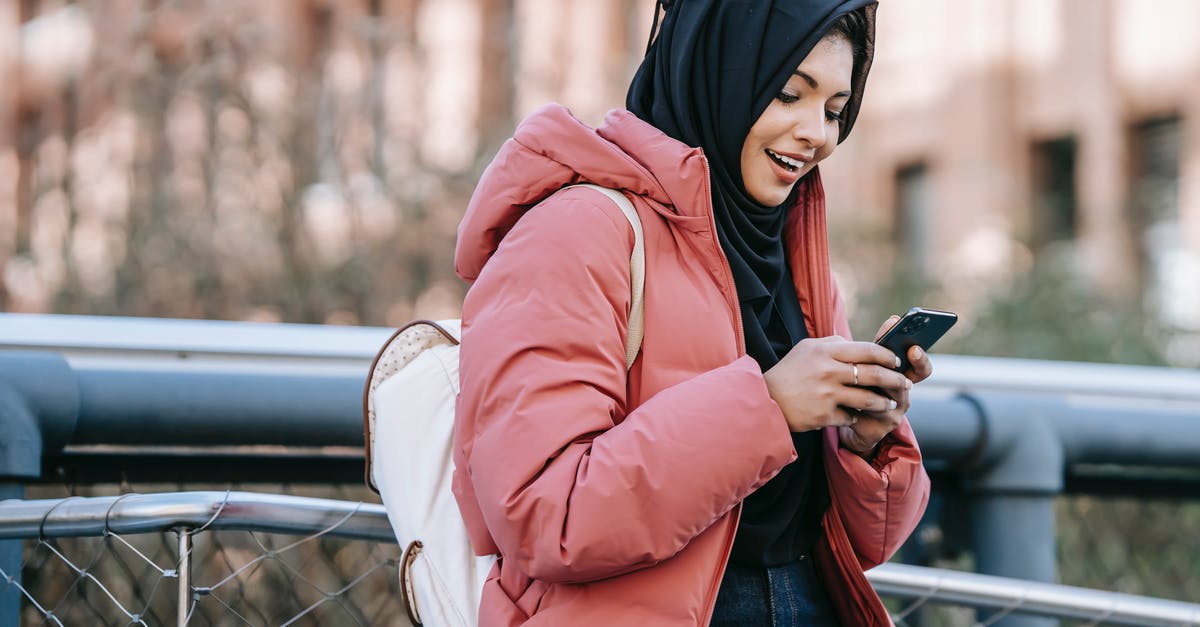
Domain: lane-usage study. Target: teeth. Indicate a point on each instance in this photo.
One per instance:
(790, 162)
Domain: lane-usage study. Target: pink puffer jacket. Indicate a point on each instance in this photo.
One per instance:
(615, 501)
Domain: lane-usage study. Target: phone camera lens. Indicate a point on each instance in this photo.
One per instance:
(915, 324)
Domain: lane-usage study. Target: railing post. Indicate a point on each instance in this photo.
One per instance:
(11, 561)
(1012, 492)
(39, 404)
(184, 572)
(20, 460)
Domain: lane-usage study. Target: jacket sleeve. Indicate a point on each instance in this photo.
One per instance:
(571, 487)
(880, 501)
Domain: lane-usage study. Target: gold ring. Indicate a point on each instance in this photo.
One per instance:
(855, 367)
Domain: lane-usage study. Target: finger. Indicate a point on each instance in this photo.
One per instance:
(877, 424)
(864, 353)
(892, 414)
(881, 377)
(865, 400)
(886, 326)
(900, 396)
(854, 440)
(845, 417)
(922, 366)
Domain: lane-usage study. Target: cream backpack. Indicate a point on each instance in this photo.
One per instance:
(408, 423)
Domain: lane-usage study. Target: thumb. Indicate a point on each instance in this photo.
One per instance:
(887, 324)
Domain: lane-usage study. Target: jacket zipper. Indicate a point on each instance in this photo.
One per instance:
(731, 291)
(731, 300)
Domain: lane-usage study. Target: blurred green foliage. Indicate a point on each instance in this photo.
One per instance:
(1046, 313)
(1132, 545)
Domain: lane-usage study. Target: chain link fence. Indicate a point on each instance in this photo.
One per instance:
(225, 576)
(237, 558)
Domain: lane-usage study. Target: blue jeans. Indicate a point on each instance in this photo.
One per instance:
(781, 596)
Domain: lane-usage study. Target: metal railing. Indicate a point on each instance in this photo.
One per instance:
(105, 399)
(124, 342)
(1006, 596)
(191, 517)
(189, 514)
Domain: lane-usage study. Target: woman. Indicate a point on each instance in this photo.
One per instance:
(614, 498)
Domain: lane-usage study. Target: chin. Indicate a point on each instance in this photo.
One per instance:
(771, 198)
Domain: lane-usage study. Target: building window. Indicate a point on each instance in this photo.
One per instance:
(913, 215)
(1155, 149)
(1053, 186)
(1171, 271)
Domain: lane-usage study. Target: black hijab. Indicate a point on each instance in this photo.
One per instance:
(714, 68)
(706, 79)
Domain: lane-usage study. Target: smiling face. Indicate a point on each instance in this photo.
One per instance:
(801, 125)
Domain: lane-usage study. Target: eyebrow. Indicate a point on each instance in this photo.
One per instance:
(812, 82)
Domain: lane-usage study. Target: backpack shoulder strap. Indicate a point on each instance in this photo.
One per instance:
(637, 273)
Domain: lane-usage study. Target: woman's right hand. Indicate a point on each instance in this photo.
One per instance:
(814, 384)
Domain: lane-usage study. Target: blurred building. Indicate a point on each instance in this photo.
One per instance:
(996, 135)
(227, 159)
(300, 160)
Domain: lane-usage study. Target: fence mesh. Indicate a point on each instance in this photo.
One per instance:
(238, 578)
(254, 578)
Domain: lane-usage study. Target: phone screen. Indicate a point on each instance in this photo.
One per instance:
(919, 327)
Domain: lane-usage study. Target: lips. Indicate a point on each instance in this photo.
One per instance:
(791, 164)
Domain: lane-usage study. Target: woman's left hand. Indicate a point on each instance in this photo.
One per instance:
(872, 426)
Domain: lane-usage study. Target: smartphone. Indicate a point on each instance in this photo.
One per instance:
(919, 327)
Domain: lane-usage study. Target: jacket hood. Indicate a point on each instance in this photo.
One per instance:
(552, 149)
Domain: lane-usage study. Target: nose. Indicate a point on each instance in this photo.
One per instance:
(810, 127)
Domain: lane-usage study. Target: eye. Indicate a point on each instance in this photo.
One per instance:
(834, 116)
(786, 98)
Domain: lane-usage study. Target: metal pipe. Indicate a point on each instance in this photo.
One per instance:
(165, 407)
(196, 340)
(145, 513)
(1141, 433)
(39, 404)
(11, 561)
(168, 407)
(302, 515)
(20, 437)
(184, 571)
(949, 426)
(1036, 376)
(1090, 430)
(1013, 536)
(1000, 593)
(140, 338)
(151, 381)
(1011, 489)
(1010, 427)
